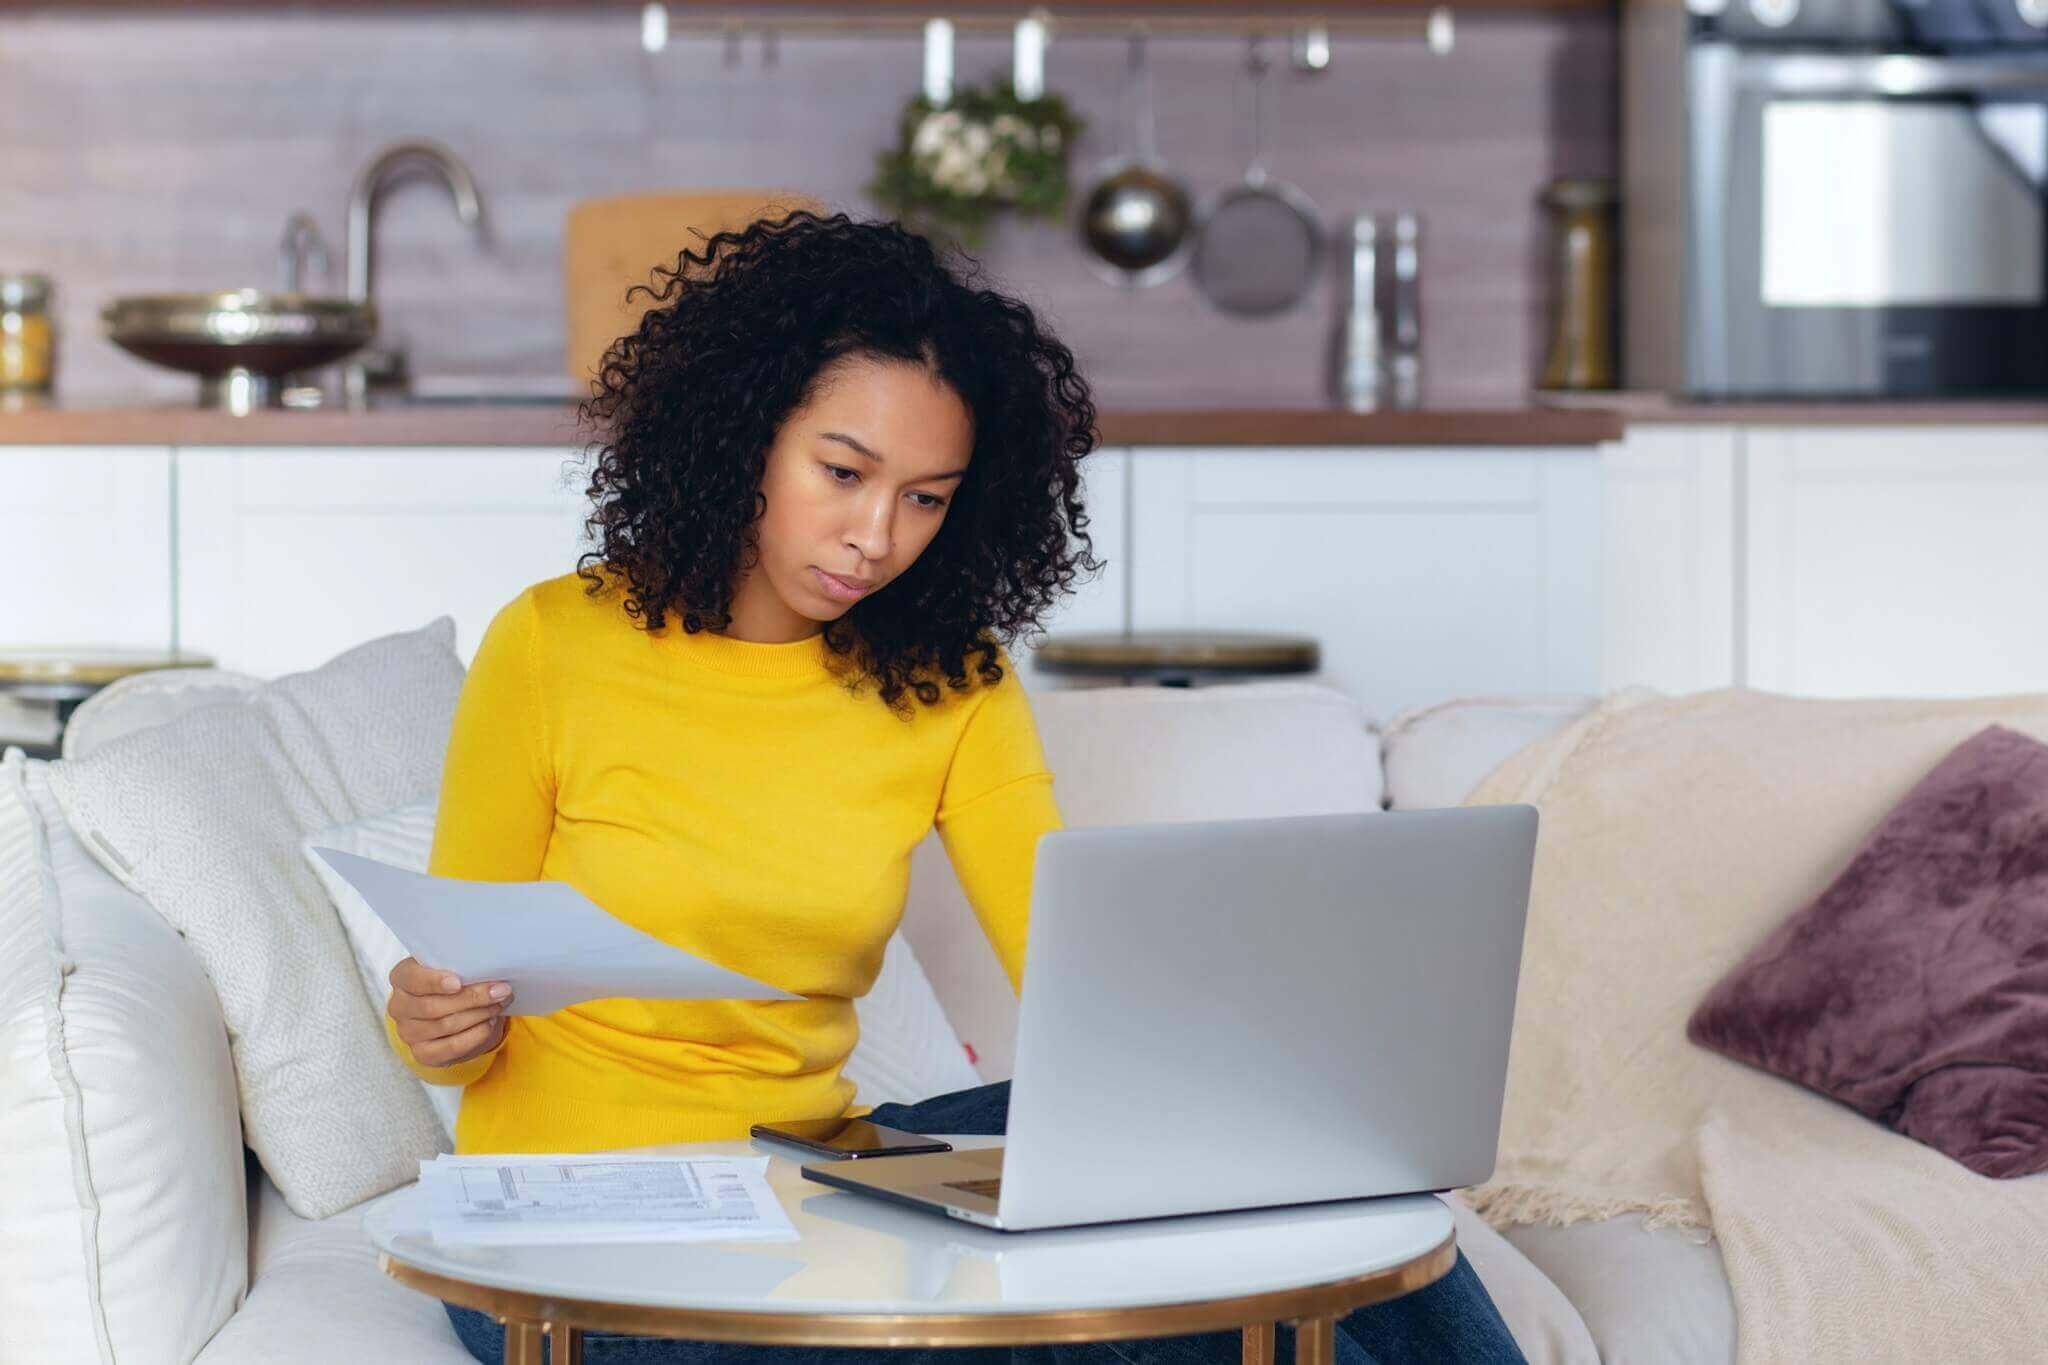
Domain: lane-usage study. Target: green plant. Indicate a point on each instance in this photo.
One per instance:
(954, 166)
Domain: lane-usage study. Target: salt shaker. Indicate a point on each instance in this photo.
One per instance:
(1357, 377)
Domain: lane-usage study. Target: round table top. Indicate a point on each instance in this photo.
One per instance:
(90, 665)
(861, 1255)
(1215, 651)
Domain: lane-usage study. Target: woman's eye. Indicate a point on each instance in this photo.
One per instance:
(930, 502)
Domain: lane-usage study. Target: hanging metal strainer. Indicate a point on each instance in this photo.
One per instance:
(1259, 242)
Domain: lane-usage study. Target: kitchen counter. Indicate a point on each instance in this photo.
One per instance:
(1575, 421)
(1635, 408)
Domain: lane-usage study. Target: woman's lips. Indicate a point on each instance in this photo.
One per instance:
(838, 589)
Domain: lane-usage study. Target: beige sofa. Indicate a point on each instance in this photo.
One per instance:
(120, 1095)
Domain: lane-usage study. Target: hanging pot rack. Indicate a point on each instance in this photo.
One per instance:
(1311, 30)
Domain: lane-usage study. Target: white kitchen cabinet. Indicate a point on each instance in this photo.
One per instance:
(1424, 573)
(1097, 603)
(85, 535)
(1895, 561)
(1671, 610)
(286, 557)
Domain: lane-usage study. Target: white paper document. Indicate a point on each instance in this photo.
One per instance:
(554, 945)
(594, 1198)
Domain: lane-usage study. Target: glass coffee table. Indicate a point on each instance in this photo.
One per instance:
(869, 1273)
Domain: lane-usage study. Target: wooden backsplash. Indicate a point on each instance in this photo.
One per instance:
(164, 152)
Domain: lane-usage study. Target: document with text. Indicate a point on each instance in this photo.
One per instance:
(583, 1199)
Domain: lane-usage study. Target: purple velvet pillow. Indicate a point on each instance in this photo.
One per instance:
(1915, 989)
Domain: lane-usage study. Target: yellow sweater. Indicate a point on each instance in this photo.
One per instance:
(734, 799)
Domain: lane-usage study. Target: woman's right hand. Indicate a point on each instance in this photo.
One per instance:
(442, 1020)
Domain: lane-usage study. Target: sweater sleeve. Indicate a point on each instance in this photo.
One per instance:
(997, 803)
(497, 805)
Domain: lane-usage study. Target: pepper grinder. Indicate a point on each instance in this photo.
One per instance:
(1405, 354)
(1582, 343)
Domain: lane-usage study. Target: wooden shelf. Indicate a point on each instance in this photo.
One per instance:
(554, 424)
(1159, 12)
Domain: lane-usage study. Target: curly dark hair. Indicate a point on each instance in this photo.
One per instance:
(687, 406)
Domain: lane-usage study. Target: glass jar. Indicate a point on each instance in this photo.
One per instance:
(1582, 339)
(25, 334)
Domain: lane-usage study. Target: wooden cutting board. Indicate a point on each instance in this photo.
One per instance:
(611, 244)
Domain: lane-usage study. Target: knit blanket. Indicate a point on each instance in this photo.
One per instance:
(1675, 833)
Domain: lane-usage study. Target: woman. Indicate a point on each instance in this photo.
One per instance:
(828, 464)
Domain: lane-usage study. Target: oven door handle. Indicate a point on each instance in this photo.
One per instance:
(1891, 75)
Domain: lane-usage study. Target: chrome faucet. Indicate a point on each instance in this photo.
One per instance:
(302, 245)
(387, 364)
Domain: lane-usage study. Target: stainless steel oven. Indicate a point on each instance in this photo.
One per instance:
(1836, 198)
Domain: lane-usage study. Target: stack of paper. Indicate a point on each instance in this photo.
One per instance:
(603, 1197)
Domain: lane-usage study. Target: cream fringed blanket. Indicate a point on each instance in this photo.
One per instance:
(1675, 832)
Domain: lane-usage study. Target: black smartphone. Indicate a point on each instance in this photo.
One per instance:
(846, 1139)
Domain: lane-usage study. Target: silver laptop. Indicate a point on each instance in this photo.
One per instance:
(1236, 1014)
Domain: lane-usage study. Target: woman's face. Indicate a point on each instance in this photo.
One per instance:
(858, 481)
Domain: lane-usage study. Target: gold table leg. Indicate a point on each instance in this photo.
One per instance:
(522, 1341)
(568, 1343)
(1315, 1341)
(1258, 1344)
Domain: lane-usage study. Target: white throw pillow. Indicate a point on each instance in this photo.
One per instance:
(203, 815)
(123, 1215)
(403, 838)
(907, 1051)
(142, 700)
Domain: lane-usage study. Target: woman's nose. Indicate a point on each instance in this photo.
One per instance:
(871, 535)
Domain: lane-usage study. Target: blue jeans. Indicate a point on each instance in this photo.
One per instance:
(1451, 1320)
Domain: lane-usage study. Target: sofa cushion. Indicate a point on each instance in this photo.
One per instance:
(318, 1297)
(203, 814)
(1914, 989)
(1654, 1295)
(1435, 755)
(125, 1228)
(1135, 755)
(1544, 1322)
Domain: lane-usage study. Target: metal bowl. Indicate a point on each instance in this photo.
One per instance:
(239, 342)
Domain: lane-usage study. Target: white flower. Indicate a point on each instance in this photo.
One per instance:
(1009, 125)
(952, 165)
(1050, 136)
(930, 134)
(974, 182)
(975, 137)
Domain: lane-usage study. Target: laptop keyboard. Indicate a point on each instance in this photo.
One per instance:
(988, 1189)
